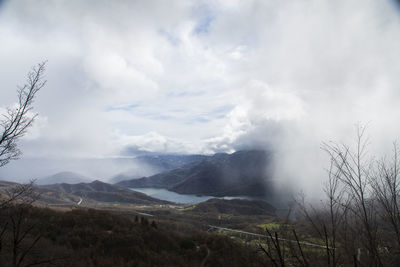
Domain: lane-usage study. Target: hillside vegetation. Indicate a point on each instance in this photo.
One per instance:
(234, 207)
(98, 238)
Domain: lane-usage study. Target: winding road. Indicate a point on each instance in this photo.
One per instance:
(211, 227)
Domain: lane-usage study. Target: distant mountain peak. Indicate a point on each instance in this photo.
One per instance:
(64, 177)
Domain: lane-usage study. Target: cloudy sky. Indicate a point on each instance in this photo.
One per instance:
(204, 76)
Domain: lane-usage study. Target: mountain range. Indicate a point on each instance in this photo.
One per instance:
(64, 177)
(239, 173)
(104, 192)
(157, 164)
(143, 165)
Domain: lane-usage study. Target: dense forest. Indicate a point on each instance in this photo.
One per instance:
(39, 236)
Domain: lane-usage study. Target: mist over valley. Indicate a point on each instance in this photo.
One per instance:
(199, 133)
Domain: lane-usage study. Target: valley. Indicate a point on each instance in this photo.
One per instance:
(229, 177)
(223, 217)
(101, 211)
(199, 133)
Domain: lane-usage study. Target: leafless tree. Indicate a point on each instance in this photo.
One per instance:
(17, 120)
(273, 250)
(359, 219)
(325, 220)
(348, 219)
(386, 186)
(23, 193)
(16, 230)
(353, 171)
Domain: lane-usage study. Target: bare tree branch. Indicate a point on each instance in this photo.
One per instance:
(17, 119)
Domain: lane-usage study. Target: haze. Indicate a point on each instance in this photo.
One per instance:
(129, 77)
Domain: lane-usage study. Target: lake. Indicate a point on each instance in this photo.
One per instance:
(280, 204)
(165, 194)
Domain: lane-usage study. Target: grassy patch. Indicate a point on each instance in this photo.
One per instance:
(270, 226)
(187, 208)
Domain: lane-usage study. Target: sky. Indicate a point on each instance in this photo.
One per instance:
(127, 77)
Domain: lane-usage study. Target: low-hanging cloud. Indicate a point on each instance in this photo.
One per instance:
(206, 76)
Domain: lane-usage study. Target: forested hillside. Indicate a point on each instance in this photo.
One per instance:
(98, 238)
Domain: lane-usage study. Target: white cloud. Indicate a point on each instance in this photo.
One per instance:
(154, 142)
(205, 76)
